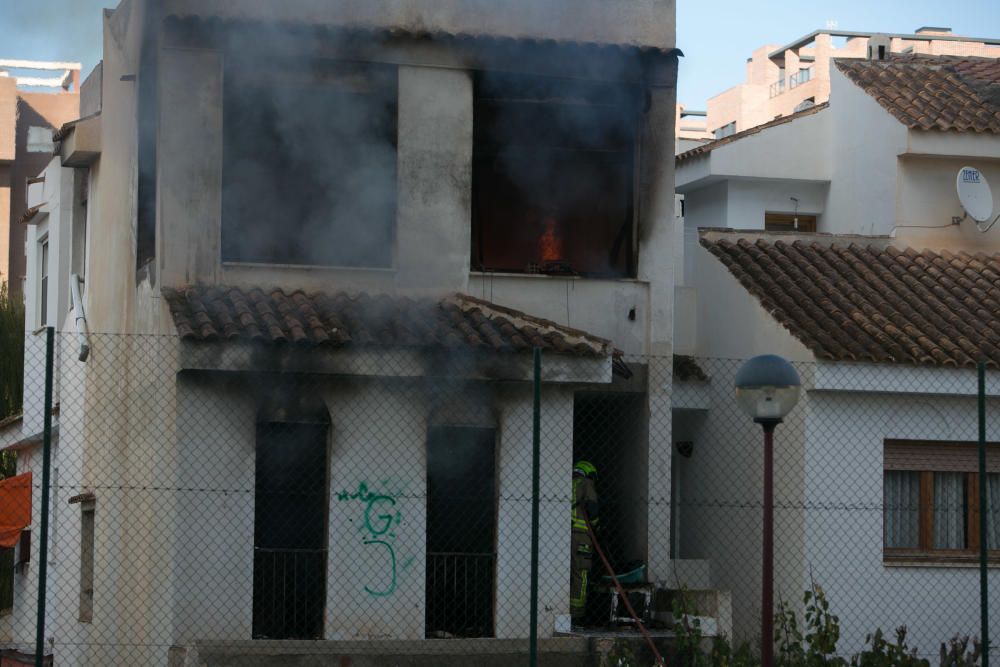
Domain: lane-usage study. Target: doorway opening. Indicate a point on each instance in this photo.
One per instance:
(610, 431)
(290, 529)
(461, 531)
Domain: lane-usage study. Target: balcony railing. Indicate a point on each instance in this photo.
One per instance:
(460, 594)
(778, 87)
(800, 77)
(289, 593)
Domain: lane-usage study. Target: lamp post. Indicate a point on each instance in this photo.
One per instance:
(767, 388)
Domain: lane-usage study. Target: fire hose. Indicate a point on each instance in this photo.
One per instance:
(621, 591)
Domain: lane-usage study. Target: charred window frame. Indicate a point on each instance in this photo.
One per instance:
(309, 163)
(554, 174)
(148, 96)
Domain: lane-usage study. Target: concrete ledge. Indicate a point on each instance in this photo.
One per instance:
(553, 652)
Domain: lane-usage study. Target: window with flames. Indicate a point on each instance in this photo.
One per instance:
(554, 165)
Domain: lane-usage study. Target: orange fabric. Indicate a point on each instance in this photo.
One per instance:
(15, 508)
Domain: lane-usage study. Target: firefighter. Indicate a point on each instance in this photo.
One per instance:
(582, 557)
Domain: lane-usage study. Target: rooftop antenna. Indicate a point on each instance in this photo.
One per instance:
(976, 197)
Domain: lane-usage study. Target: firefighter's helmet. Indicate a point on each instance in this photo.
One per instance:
(586, 469)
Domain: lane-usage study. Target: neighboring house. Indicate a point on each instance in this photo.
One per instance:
(32, 108)
(852, 257)
(209, 200)
(781, 80)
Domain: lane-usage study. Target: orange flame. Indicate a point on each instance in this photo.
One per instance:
(550, 244)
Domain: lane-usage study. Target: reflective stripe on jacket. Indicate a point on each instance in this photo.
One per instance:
(583, 491)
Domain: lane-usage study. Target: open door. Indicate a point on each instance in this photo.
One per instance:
(290, 530)
(461, 531)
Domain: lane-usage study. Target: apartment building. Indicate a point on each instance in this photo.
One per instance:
(781, 80)
(36, 98)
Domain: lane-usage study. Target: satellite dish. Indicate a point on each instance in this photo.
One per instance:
(974, 193)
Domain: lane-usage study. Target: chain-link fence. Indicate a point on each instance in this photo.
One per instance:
(225, 503)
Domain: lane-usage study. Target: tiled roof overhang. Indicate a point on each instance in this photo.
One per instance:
(712, 145)
(273, 316)
(382, 33)
(933, 93)
(855, 301)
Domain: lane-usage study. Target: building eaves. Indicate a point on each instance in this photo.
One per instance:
(31, 441)
(339, 320)
(712, 145)
(861, 299)
(29, 215)
(68, 127)
(421, 34)
(806, 39)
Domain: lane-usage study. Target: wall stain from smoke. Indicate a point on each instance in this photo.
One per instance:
(380, 518)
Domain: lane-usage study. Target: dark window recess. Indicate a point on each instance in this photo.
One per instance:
(309, 164)
(290, 517)
(6, 581)
(86, 614)
(553, 176)
(461, 531)
(43, 284)
(789, 222)
(145, 250)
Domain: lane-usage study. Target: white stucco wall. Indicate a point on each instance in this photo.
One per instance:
(927, 200)
(722, 301)
(844, 438)
(375, 587)
(599, 307)
(866, 141)
(721, 495)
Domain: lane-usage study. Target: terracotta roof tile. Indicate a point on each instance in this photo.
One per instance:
(933, 92)
(214, 313)
(855, 301)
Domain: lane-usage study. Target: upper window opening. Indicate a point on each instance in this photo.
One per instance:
(789, 222)
(309, 164)
(40, 139)
(553, 176)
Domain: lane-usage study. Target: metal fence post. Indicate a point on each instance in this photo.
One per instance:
(535, 456)
(984, 612)
(43, 549)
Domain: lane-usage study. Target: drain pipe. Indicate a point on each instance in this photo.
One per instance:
(82, 334)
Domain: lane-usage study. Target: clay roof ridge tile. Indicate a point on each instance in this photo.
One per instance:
(264, 309)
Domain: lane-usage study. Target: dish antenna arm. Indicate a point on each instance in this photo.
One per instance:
(989, 226)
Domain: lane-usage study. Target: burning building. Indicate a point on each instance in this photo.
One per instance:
(340, 228)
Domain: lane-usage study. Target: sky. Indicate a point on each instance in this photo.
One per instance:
(716, 37)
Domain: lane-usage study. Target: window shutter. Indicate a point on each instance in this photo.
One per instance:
(939, 455)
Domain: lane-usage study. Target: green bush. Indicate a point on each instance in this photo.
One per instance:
(812, 645)
(880, 653)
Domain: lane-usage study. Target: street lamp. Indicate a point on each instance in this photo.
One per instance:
(767, 388)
